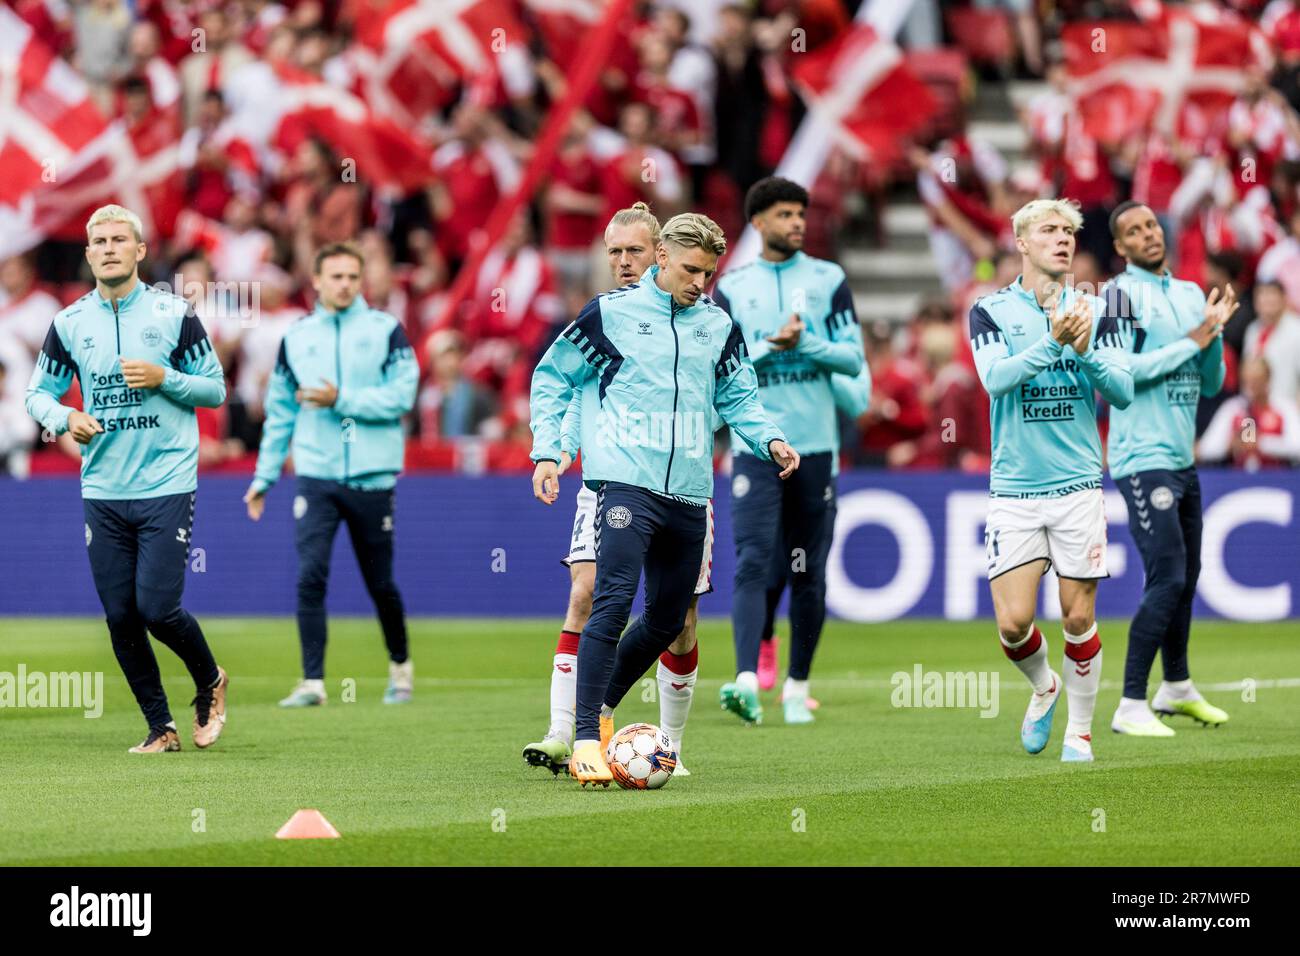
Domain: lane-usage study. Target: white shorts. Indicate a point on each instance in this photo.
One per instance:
(582, 544)
(1069, 531)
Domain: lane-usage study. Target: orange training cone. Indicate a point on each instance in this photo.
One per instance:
(307, 825)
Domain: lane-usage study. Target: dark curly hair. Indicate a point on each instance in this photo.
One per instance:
(766, 193)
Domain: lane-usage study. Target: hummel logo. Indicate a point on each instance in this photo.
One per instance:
(643, 328)
(564, 668)
(88, 343)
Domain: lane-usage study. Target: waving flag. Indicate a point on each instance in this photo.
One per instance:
(414, 55)
(1179, 70)
(862, 88)
(386, 154)
(46, 118)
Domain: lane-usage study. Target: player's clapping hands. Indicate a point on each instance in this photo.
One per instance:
(1218, 310)
(1073, 326)
(788, 336)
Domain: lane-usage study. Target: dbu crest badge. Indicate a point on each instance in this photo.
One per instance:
(618, 517)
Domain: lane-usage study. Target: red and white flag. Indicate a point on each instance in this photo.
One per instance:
(385, 153)
(61, 158)
(413, 55)
(46, 119)
(135, 168)
(861, 87)
(1178, 71)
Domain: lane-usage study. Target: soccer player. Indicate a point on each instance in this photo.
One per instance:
(344, 378)
(1041, 349)
(653, 360)
(1175, 337)
(796, 314)
(630, 242)
(144, 363)
(852, 397)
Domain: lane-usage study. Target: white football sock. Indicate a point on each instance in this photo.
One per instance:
(402, 676)
(747, 680)
(1082, 675)
(1134, 710)
(794, 689)
(675, 694)
(1033, 665)
(1178, 690)
(564, 696)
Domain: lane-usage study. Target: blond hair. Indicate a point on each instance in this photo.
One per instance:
(1036, 210)
(692, 230)
(638, 214)
(115, 213)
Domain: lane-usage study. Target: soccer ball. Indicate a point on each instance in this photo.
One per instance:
(641, 757)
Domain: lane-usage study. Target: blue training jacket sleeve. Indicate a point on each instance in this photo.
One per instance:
(579, 351)
(853, 395)
(281, 415)
(50, 380)
(998, 369)
(841, 350)
(1145, 366)
(736, 396)
(195, 377)
(1106, 362)
(393, 398)
(1213, 369)
(571, 428)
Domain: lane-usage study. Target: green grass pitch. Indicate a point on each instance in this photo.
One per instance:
(440, 781)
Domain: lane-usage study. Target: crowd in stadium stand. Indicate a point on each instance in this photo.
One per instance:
(701, 94)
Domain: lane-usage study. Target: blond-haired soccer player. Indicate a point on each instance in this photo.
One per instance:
(1041, 349)
(652, 360)
(144, 363)
(631, 239)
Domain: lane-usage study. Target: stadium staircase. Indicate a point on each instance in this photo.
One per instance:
(890, 282)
